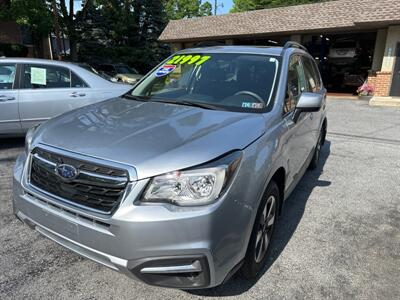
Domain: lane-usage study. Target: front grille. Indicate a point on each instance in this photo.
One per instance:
(97, 187)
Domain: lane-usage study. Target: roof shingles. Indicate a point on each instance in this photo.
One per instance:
(291, 19)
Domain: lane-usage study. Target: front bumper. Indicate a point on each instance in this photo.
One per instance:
(158, 244)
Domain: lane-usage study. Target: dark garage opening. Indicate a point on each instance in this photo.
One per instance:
(343, 59)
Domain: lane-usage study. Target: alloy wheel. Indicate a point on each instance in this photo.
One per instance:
(265, 228)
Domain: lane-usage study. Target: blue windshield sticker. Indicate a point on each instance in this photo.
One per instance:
(252, 105)
(165, 70)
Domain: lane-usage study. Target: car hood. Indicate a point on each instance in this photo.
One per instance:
(154, 138)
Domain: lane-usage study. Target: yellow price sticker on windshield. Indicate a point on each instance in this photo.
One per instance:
(188, 59)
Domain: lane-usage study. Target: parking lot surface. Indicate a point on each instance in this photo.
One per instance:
(338, 236)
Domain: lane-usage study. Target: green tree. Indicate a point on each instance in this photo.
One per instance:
(68, 23)
(152, 21)
(181, 9)
(107, 28)
(245, 5)
(36, 17)
(4, 9)
(124, 31)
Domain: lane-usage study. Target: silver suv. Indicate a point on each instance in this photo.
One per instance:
(179, 182)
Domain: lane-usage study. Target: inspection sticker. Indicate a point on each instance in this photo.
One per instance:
(165, 70)
(252, 105)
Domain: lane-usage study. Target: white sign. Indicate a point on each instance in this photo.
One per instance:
(38, 76)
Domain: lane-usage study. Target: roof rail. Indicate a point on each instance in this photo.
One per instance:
(291, 44)
(209, 44)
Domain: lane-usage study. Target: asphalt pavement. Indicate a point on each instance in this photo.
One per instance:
(338, 236)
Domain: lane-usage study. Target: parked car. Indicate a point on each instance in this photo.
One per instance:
(100, 73)
(343, 52)
(35, 90)
(179, 183)
(121, 72)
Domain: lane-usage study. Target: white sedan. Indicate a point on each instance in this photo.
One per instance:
(35, 90)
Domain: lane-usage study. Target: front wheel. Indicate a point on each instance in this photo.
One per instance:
(260, 240)
(317, 153)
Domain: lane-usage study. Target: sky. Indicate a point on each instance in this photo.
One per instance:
(227, 6)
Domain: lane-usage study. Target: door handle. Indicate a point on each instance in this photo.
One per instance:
(4, 98)
(76, 94)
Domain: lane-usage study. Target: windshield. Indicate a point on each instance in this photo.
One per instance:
(125, 70)
(230, 81)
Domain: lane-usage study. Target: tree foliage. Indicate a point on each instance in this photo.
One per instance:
(245, 5)
(122, 31)
(100, 31)
(181, 9)
(35, 16)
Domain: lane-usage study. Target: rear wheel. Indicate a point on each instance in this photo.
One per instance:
(260, 240)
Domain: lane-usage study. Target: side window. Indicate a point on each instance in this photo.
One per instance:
(7, 76)
(317, 75)
(310, 75)
(296, 84)
(46, 77)
(76, 81)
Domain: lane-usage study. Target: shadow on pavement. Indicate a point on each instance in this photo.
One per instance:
(9, 143)
(288, 221)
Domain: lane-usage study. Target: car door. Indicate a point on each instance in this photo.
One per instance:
(298, 137)
(9, 116)
(50, 90)
(313, 85)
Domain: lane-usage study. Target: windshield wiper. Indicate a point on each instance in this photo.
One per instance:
(140, 98)
(189, 103)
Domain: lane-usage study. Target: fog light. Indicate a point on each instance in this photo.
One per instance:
(182, 272)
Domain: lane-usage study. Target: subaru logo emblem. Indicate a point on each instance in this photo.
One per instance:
(67, 172)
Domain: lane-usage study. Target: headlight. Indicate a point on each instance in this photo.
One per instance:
(199, 186)
(28, 139)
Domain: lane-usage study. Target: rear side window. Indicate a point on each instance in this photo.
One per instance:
(7, 76)
(296, 83)
(46, 77)
(311, 75)
(76, 81)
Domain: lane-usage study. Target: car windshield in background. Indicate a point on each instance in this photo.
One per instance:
(230, 81)
(89, 68)
(125, 70)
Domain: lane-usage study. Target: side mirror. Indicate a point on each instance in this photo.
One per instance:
(308, 102)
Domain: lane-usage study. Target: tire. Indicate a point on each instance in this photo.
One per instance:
(262, 233)
(317, 153)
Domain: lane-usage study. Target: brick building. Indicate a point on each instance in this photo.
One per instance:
(352, 40)
(12, 33)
